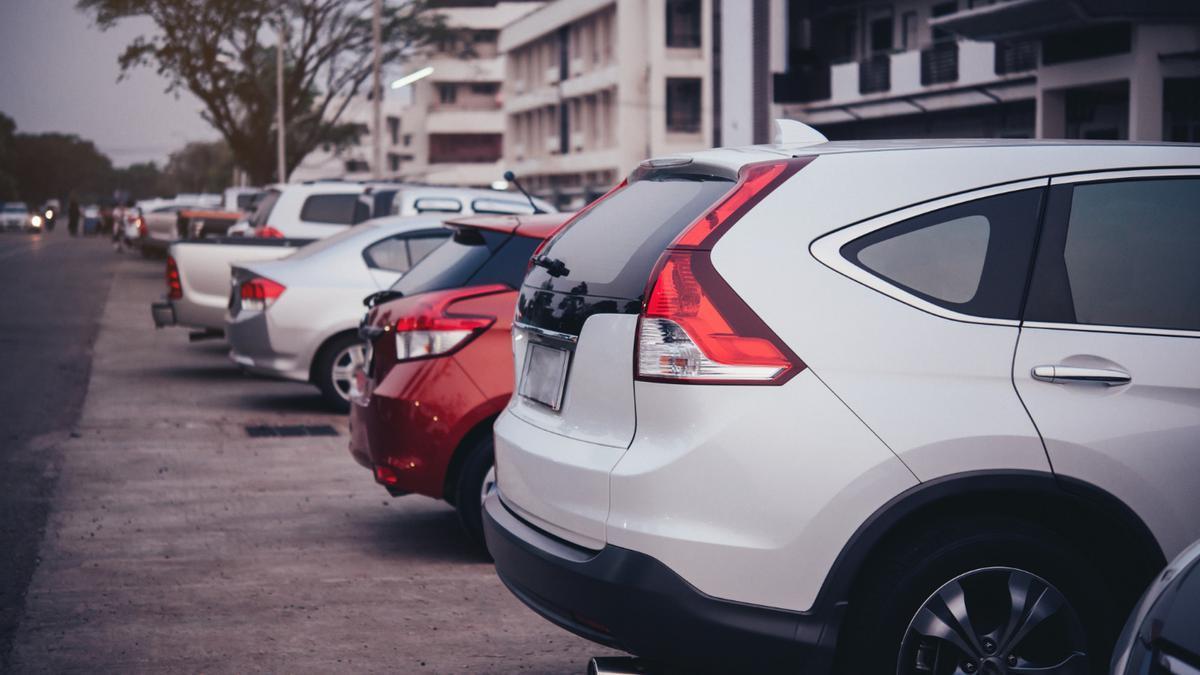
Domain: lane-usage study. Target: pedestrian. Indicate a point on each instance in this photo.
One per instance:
(73, 216)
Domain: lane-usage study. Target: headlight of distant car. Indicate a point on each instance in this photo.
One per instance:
(49, 214)
(36, 221)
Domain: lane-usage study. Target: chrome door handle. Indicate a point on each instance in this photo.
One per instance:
(1069, 374)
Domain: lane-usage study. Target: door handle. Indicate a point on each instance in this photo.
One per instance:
(1074, 374)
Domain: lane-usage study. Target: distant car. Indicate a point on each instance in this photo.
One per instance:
(16, 216)
(1162, 636)
(439, 373)
(297, 318)
(161, 226)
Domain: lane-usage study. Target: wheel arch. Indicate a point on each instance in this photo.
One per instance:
(481, 428)
(1088, 516)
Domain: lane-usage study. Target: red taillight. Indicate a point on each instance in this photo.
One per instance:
(174, 287)
(268, 232)
(141, 226)
(562, 228)
(694, 327)
(260, 293)
(432, 330)
(385, 475)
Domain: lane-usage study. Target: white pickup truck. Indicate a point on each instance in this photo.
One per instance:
(198, 274)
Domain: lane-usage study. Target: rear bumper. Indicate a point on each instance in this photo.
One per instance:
(628, 600)
(163, 313)
(251, 347)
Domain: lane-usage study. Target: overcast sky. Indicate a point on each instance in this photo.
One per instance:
(58, 72)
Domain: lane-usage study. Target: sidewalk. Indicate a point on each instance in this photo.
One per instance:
(177, 542)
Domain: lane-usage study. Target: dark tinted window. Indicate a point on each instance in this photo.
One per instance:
(390, 254)
(419, 247)
(1122, 253)
(470, 258)
(972, 258)
(263, 211)
(611, 250)
(336, 209)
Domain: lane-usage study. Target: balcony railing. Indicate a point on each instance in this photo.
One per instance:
(803, 86)
(939, 63)
(1016, 57)
(875, 74)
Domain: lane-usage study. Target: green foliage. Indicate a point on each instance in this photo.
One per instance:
(8, 159)
(200, 167)
(223, 52)
(55, 165)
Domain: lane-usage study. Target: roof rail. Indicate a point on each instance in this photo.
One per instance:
(793, 132)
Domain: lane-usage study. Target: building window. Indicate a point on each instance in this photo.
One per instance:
(683, 104)
(407, 139)
(683, 23)
(1181, 109)
(393, 125)
(393, 162)
(465, 148)
(447, 93)
(357, 166)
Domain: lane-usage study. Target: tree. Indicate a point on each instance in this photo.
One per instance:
(200, 167)
(56, 165)
(223, 51)
(8, 159)
(143, 181)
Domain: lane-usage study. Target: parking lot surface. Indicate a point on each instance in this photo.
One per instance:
(176, 541)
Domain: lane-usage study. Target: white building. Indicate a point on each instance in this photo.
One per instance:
(982, 68)
(354, 162)
(595, 86)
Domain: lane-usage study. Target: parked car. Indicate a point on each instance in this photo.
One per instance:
(161, 225)
(894, 407)
(297, 318)
(16, 216)
(439, 370)
(1162, 636)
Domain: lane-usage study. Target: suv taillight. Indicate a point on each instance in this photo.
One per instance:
(268, 232)
(694, 327)
(260, 293)
(431, 330)
(174, 287)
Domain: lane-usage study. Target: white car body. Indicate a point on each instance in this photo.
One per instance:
(15, 216)
(764, 496)
(325, 284)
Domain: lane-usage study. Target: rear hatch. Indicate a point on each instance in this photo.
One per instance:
(574, 339)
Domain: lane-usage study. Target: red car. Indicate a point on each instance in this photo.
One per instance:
(440, 365)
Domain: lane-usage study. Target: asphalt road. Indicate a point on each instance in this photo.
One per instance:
(162, 537)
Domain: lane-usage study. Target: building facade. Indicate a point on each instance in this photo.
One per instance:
(595, 86)
(987, 68)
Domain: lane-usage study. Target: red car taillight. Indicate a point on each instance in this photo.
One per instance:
(174, 287)
(141, 226)
(694, 327)
(260, 293)
(268, 232)
(431, 330)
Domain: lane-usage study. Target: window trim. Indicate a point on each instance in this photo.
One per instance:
(1106, 177)
(828, 248)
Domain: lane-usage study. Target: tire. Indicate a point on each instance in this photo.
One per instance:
(333, 387)
(984, 559)
(473, 479)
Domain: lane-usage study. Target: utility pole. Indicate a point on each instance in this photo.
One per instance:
(377, 91)
(280, 121)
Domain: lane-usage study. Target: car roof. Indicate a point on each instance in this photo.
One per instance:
(536, 226)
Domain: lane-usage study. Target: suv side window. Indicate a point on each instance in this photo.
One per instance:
(971, 258)
(1121, 253)
(334, 209)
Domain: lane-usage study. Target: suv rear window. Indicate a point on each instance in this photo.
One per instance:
(262, 212)
(334, 209)
(470, 258)
(611, 250)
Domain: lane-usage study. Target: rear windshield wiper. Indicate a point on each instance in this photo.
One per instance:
(380, 297)
(554, 267)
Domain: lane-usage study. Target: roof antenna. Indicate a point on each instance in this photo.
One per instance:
(512, 178)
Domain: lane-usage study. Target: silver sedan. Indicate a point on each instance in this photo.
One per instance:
(297, 318)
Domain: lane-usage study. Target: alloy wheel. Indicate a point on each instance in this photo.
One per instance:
(995, 621)
(344, 365)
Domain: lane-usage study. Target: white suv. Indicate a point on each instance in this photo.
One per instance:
(891, 407)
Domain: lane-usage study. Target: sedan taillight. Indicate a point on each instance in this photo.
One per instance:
(432, 330)
(694, 327)
(260, 293)
(268, 232)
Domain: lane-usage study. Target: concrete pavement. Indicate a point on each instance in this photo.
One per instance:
(178, 543)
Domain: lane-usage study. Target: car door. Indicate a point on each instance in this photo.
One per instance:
(389, 258)
(1108, 358)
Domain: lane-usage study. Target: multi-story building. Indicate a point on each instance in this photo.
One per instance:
(984, 68)
(595, 86)
(446, 128)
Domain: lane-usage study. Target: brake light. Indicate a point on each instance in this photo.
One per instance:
(561, 228)
(694, 328)
(174, 287)
(260, 293)
(432, 330)
(268, 232)
(141, 226)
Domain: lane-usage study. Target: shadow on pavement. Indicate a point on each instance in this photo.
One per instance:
(423, 535)
(284, 403)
